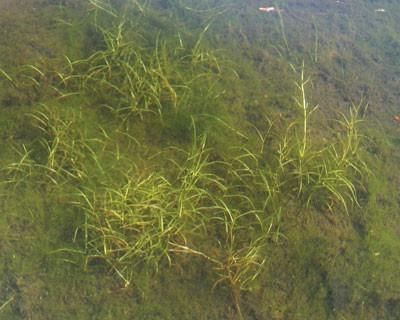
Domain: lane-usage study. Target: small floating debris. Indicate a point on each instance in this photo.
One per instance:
(380, 10)
(268, 9)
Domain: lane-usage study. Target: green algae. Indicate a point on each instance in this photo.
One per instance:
(319, 263)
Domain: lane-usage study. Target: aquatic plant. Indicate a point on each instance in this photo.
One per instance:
(243, 237)
(322, 174)
(147, 216)
(131, 80)
(20, 171)
(7, 76)
(143, 219)
(63, 144)
(140, 204)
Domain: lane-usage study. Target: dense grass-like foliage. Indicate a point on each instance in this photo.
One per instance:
(176, 152)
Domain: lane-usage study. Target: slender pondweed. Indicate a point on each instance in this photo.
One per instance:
(154, 154)
(7, 76)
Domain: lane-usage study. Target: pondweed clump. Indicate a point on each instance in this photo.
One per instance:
(321, 175)
(138, 212)
(226, 211)
(149, 218)
(143, 218)
(133, 80)
(63, 144)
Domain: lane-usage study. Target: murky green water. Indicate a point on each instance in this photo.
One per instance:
(199, 160)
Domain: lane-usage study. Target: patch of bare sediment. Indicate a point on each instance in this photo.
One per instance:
(24, 37)
(6, 4)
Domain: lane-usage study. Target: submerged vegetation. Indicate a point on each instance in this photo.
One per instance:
(161, 157)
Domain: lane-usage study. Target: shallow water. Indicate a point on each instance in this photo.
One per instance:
(156, 162)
